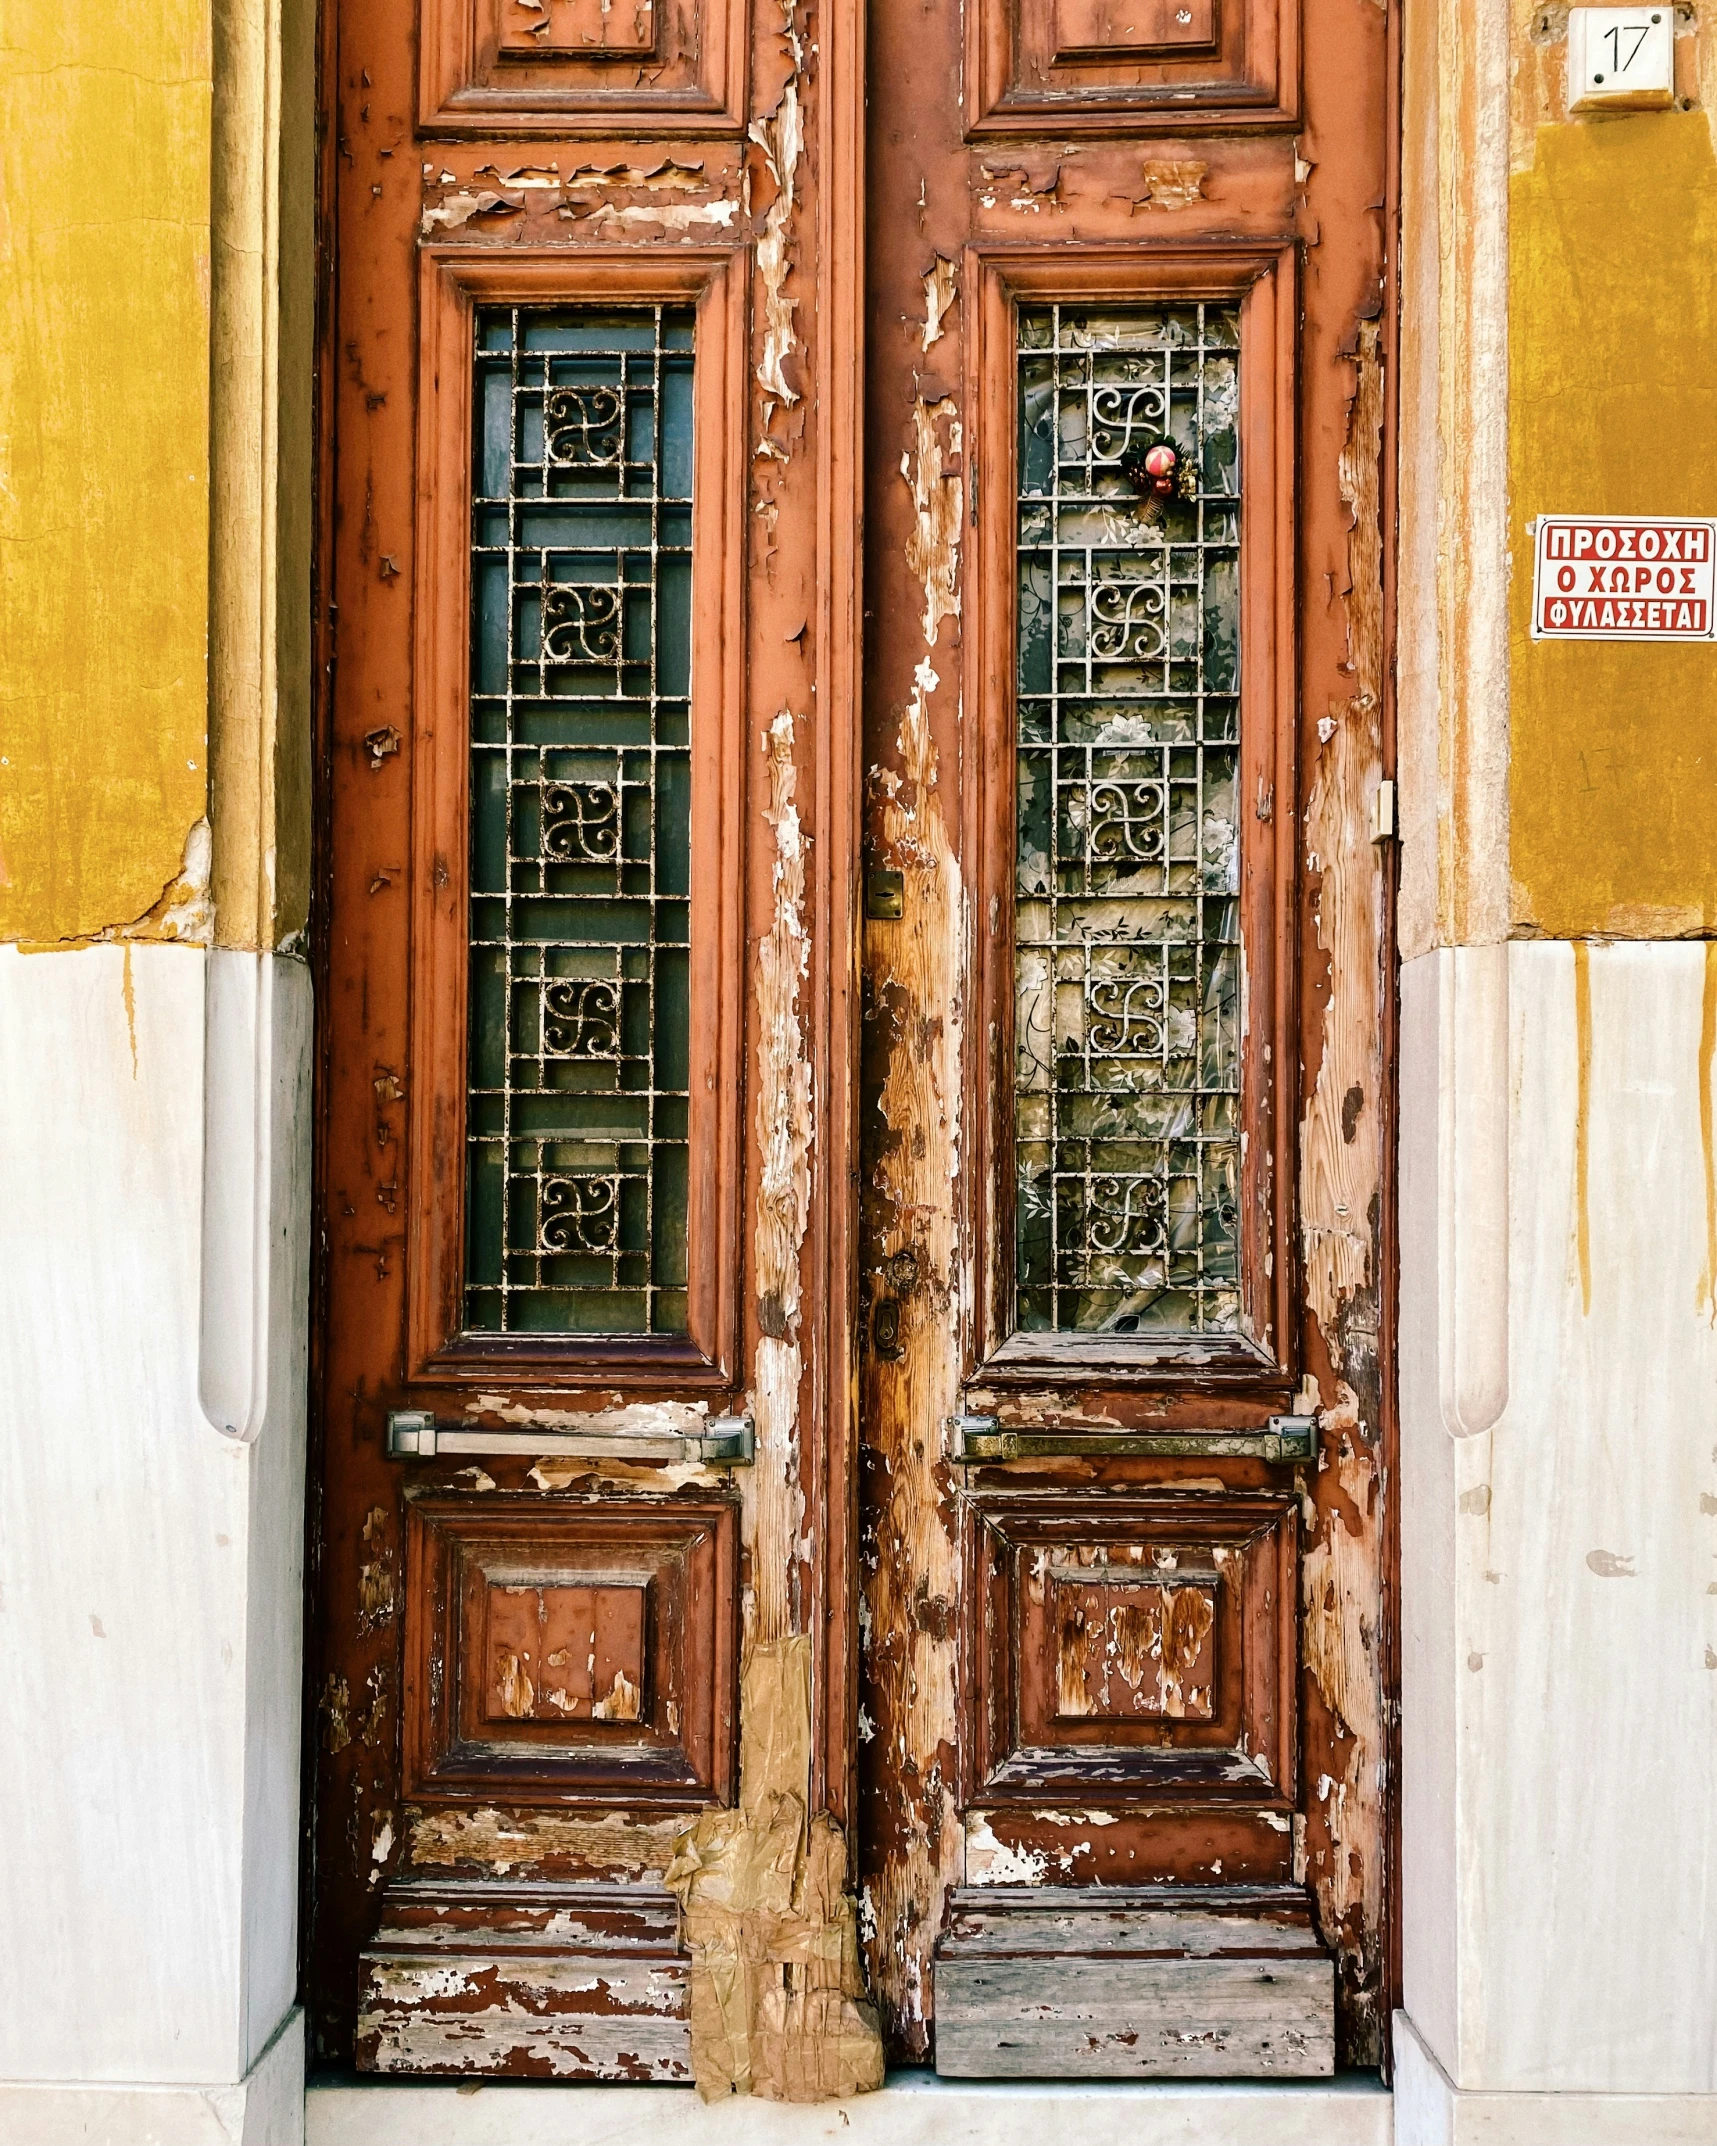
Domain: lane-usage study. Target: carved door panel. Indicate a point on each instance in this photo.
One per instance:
(1124, 1730)
(580, 1559)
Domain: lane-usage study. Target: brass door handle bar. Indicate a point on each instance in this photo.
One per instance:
(728, 1442)
(977, 1439)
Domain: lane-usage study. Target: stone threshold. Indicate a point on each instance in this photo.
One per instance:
(913, 2109)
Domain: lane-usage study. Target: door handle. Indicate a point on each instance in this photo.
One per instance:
(979, 1439)
(728, 1442)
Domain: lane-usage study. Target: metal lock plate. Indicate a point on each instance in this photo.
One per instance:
(885, 896)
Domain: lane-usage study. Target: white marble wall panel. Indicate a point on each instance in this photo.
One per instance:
(150, 1618)
(1560, 1582)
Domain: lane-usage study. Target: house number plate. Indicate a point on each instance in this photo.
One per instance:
(1622, 577)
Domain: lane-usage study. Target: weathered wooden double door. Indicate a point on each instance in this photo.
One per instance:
(851, 1507)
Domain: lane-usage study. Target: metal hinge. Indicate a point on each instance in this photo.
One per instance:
(981, 1439)
(1383, 823)
(726, 1442)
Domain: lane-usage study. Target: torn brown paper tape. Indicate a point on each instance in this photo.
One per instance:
(777, 1992)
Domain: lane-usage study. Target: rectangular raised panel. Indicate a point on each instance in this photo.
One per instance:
(1130, 1648)
(1121, 1641)
(1102, 30)
(538, 30)
(565, 1653)
(1063, 66)
(572, 67)
(1133, 1984)
(526, 1982)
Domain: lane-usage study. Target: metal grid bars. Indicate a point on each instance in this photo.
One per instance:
(576, 1114)
(1127, 961)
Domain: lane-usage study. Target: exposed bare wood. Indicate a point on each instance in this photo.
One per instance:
(781, 137)
(1341, 1171)
(548, 1982)
(1343, 1657)
(914, 975)
(1340, 1155)
(1172, 183)
(1053, 1982)
(611, 1844)
(784, 1136)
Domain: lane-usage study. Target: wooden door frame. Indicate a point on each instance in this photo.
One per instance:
(1389, 1103)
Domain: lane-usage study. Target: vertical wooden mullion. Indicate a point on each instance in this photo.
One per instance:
(832, 1240)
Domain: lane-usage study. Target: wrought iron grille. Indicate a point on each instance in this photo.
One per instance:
(1127, 962)
(576, 1122)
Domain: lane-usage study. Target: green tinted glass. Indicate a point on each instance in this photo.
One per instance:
(576, 1120)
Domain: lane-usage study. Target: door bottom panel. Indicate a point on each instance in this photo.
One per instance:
(529, 1982)
(1037, 1982)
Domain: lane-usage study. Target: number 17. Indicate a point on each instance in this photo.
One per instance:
(1638, 31)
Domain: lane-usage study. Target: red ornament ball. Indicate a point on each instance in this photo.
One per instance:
(1159, 461)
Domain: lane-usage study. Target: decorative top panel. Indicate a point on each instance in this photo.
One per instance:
(572, 67)
(1063, 66)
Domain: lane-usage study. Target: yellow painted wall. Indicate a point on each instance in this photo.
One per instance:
(1613, 409)
(104, 368)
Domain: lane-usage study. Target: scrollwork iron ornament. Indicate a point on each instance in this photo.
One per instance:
(1126, 1217)
(1126, 822)
(1127, 621)
(1127, 1016)
(581, 1019)
(1119, 413)
(579, 1214)
(581, 822)
(585, 427)
(581, 623)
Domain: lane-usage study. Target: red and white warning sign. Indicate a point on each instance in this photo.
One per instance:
(1623, 577)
